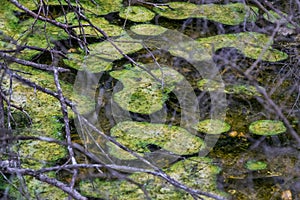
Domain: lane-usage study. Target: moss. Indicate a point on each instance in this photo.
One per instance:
(195, 172)
(136, 14)
(137, 136)
(141, 93)
(267, 127)
(230, 14)
(212, 126)
(254, 165)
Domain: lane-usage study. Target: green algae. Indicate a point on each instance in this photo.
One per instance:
(274, 17)
(136, 14)
(148, 29)
(45, 112)
(212, 126)
(39, 154)
(141, 92)
(36, 189)
(254, 165)
(251, 44)
(103, 54)
(99, 7)
(230, 14)
(137, 136)
(195, 172)
(235, 89)
(88, 31)
(267, 127)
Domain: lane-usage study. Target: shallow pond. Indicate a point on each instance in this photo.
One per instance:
(193, 64)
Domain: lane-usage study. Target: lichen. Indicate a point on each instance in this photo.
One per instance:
(212, 126)
(142, 93)
(196, 172)
(230, 14)
(267, 127)
(136, 14)
(137, 136)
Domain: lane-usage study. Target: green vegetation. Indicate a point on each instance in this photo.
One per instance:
(148, 29)
(251, 44)
(88, 31)
(267, 127)
(235, 89)
(103, 54)
(136, 14)
(196, 172)
(141, 92)
(255, 165)
(230, 14)
(212, 126)
(137, 136)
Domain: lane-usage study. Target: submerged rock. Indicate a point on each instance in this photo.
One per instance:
(267, 127)
(142, 93)
(212, 126)
(196, 172)
(137, 136)
(230, 14)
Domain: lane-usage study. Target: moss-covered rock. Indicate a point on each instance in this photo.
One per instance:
(231, 14)
(137, 136)
(142, 93)
(103, 54)
(267, 127)
(136, 14)
(196, 172)
(212, 126)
